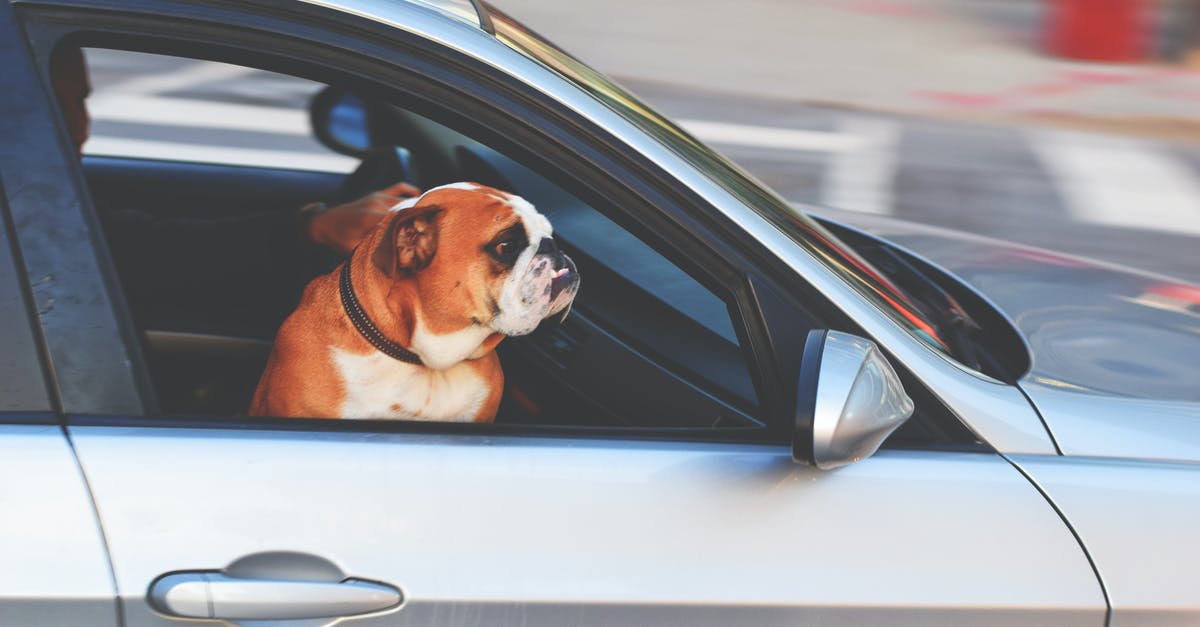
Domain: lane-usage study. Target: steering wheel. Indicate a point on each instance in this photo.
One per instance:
(380, 168)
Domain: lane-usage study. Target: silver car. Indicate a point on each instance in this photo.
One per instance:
(719, 434)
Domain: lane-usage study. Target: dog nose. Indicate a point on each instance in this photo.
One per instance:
(547, 246)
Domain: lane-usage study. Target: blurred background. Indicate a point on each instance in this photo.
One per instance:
(1072, 125)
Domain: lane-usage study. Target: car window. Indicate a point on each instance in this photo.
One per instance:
(199, 170)
(154, 106)
(805, 231)
(637, 293)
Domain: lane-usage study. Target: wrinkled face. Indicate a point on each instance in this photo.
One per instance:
(479, 256)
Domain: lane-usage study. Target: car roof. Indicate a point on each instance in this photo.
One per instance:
(470, 12)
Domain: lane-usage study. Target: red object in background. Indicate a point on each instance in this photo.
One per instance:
(1098, 30)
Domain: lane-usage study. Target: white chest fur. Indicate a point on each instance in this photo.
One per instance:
(378, 386)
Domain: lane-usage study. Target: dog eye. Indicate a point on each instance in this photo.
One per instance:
(506, 250)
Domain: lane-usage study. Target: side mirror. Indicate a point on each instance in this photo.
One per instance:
(849, 400)
(339, 120)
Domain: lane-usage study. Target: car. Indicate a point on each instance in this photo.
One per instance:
(718, 434)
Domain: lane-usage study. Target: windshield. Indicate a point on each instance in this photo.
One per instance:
(804, 230)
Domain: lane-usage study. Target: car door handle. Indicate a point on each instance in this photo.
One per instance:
(214, 595)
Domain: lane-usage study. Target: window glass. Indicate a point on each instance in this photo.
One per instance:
(201, 173)
(814, 237)
(162, 107)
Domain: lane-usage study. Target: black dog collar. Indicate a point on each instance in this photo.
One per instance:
(371, 333)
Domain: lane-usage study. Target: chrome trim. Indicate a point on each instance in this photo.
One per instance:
(997, 413)
(465, 11)
(216, 595)
(420, 17)
(485, 18)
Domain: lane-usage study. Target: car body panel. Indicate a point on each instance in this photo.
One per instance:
(486, 530)
(56, 569)
(1086, 424)
(1114, 368)
(1138, 520)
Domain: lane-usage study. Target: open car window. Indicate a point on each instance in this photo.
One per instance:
(161, 107)
(211, 262)
(633, 291)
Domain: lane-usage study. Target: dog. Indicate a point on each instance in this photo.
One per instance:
(407, 327)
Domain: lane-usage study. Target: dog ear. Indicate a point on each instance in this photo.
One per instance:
(410, 242)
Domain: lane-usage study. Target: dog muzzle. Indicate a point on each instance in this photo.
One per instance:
(543, 283)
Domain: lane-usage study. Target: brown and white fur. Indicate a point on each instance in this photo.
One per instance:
(447, 276)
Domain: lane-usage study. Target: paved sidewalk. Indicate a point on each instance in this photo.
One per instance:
(943, 58)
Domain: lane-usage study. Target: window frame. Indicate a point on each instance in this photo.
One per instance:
(42, 202)
(664, 211)
(24, 382)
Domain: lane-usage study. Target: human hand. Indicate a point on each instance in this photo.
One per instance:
(341, 228)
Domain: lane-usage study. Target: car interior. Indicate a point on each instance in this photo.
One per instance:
(645, 343)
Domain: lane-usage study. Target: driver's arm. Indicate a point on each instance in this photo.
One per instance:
(340, 228)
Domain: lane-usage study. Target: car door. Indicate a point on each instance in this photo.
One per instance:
(488, 530)
(406, 524)
(55, 566)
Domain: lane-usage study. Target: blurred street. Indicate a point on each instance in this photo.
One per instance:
(970, 59)
(936, 111)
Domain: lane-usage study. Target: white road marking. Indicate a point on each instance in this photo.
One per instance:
(178, 78)
(1120, 181)
(771, 137)
(119, 106)
(227, 155)
(199, 114)
(862, 179)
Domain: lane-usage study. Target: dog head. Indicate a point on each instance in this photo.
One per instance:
(481, 258)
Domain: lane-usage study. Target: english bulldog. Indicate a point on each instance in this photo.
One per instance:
(406, 327)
